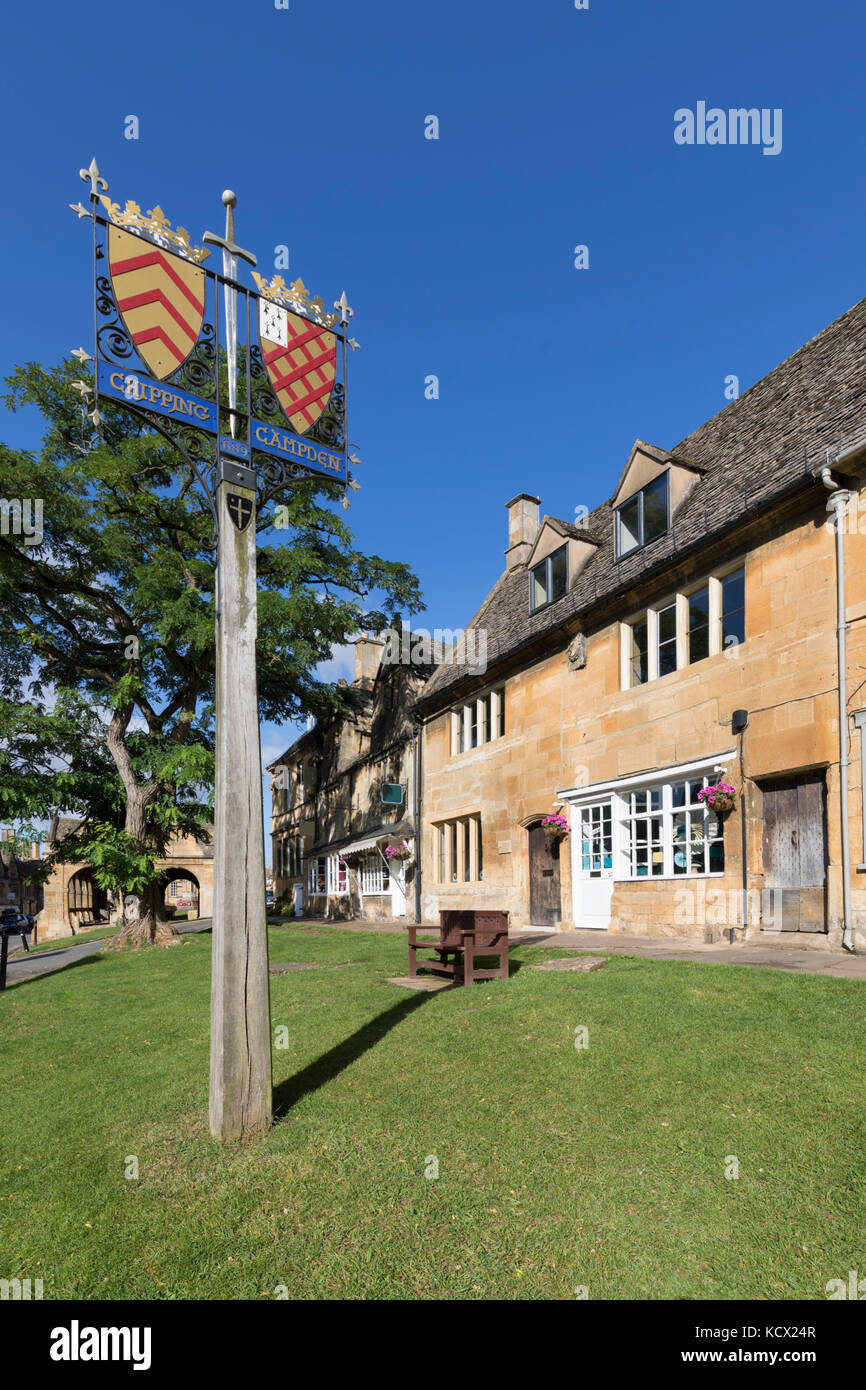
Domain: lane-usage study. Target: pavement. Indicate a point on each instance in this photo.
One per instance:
(805, 960)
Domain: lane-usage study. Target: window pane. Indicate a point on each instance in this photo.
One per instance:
(539, 585)
(466, 854)
(558, 573)
(667, 626)
(668, 623)
(699, 625)
(628, 537)
(453, 832)
(639, 649)
(734, 590)
(733, 609)
(655, 508)
(488, 731)
(478, 847)
(473, 724)
(502, 712)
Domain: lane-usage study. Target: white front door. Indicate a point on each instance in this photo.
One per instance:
(593, 876)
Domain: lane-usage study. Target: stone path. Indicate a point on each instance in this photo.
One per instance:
(805, 960)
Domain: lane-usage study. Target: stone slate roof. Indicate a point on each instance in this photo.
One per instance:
(61, 826)
(358, 704)
(765, 444)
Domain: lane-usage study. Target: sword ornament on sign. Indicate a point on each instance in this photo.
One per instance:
(232, 253)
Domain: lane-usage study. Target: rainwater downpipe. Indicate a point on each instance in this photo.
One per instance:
(416, 809)
(837, 505)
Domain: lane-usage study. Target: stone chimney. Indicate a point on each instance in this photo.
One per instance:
(522, 528)
(368, 657)
(35, 849)
(8, 833)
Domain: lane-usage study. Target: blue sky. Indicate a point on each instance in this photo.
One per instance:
(555, 129)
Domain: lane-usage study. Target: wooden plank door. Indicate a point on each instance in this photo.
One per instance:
(795, 853)
(545, 907)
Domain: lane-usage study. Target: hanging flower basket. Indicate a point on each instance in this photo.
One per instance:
(720, 797)
(555, 829)
(400, 854)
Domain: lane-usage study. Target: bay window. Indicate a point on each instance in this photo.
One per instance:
(667, 832)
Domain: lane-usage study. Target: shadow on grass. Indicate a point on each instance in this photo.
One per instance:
(330, 1064)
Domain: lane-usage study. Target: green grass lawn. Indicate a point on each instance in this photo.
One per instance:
(558, 1167)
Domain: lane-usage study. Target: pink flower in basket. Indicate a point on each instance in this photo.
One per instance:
(555, 826)
(720, 797)
(399, 853)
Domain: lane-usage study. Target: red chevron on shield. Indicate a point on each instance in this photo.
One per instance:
(161, 298)
(301, 362)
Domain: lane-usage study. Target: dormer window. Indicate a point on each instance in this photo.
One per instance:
(548, 580)
(644, 517)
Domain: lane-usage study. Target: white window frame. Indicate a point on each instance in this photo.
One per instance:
(624, 816)
(713, 583)
(313, 889)
(338, 877)
(619, 791)
(486, 732)
(374, 878)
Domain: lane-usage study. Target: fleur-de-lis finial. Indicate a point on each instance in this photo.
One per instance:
(92, 176)
(342, 304)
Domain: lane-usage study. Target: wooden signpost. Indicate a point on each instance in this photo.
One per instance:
(156, 354)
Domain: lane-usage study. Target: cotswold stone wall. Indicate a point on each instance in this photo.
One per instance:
(568, 728)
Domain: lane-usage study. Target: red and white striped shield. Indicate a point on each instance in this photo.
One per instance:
(301, 361)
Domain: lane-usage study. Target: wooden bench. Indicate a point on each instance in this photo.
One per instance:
(463, 935)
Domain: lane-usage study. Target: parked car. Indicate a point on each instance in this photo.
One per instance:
(269, 897)
(13, 922)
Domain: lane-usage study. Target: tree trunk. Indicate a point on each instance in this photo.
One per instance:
(144, 922)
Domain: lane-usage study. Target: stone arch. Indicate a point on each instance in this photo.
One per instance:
(87, 905)
(185, 879)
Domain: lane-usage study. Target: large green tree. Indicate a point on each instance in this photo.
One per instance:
(107, 638)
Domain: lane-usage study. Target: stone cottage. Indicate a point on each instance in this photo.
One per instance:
(704, 627)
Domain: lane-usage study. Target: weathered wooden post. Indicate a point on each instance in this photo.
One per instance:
(240, 1050)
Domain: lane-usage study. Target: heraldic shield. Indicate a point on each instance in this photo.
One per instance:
(301, 361)
(161, 298)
